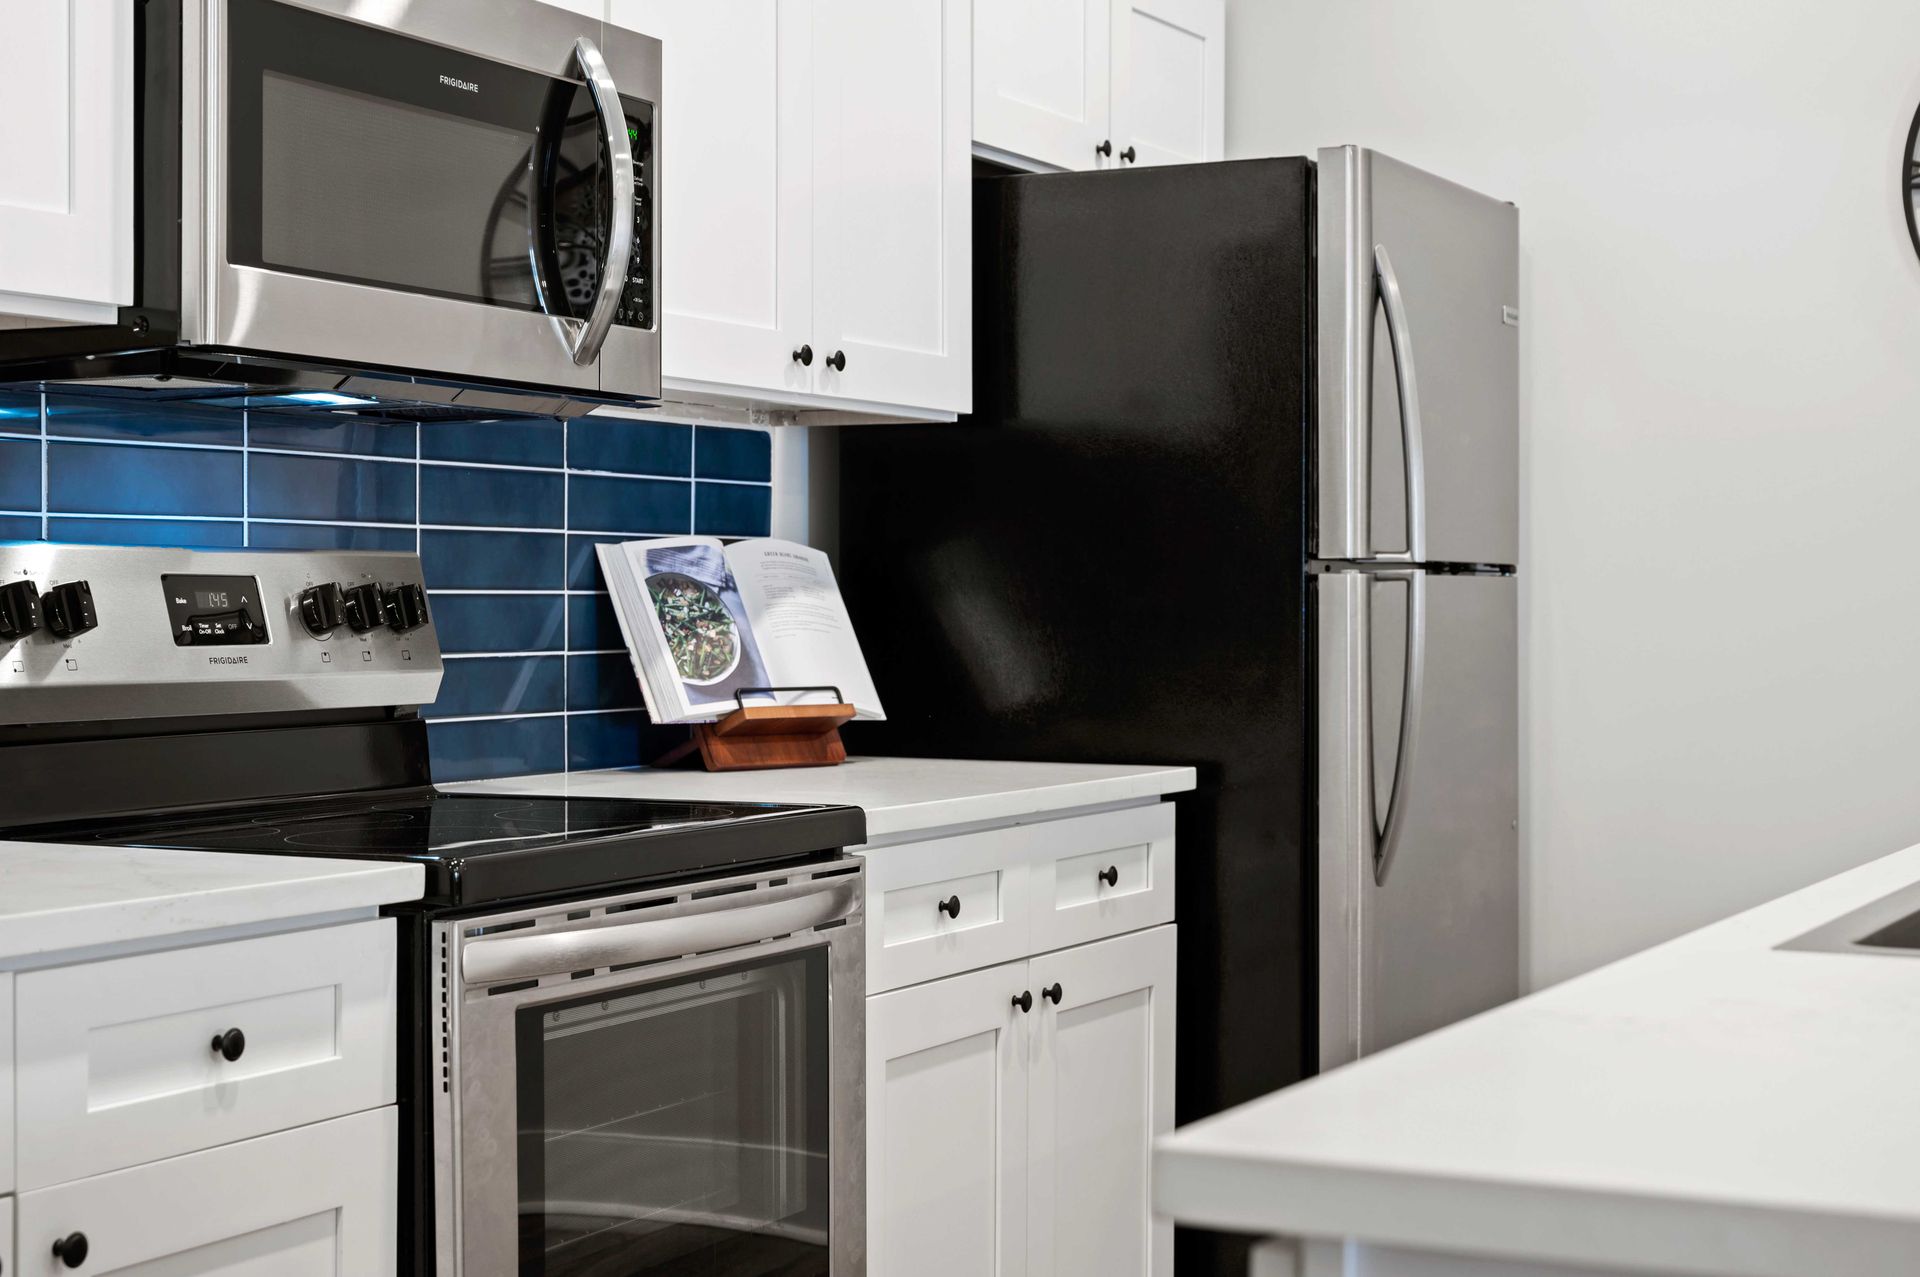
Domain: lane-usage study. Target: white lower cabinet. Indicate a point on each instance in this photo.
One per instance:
(947, 1083)
(6, 1237)
(6, 1089)
(317, 1201)
(1011, 1114)
(1102, 1089)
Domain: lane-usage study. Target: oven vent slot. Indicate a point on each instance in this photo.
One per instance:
(838, 872)
(515, 987)
(734, 890)
(498, 927)
(631, 905)
(446, 1013)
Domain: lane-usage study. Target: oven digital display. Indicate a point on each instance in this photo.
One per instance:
(215, 611)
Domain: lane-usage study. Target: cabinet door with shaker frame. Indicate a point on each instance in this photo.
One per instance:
(893, 202)
(947, 1077)
(736, 172)
(1040, 81)
(66, 159)
(1169, 81)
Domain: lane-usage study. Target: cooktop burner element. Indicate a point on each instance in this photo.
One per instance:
(485, 847)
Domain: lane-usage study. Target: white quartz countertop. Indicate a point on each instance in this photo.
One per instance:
(1713, 1105)
(899, 795)
(55, 898)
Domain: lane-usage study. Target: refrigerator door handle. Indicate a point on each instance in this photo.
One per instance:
(1387, 831)
(1400, 336)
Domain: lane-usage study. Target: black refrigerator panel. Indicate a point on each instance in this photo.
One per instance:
(1105, 563)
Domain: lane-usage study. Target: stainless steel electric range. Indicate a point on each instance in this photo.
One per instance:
(632, 1034)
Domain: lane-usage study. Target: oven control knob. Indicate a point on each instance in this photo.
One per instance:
(69, 609)
(406, 607)
(366, 607)
(321, 609)
(19, 609)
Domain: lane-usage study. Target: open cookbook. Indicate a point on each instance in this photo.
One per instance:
(705, 621)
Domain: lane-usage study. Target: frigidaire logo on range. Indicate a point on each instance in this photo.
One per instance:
(226, 660)
(452, 83)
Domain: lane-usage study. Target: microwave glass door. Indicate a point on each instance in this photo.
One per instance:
(680, 1126)
(362, 155)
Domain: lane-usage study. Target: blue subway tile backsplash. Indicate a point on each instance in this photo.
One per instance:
(505, 516)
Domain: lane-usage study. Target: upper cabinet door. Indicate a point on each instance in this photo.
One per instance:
(893, 211)
(66, 159)
(1169, 81)
(1101, 1091)
(736, 171)
(1040, 70)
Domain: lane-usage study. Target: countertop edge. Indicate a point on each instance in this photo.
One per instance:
(1540, 1223)
(335, 886)
(911, 818)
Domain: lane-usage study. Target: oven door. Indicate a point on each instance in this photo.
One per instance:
(462, 190)
(658, 1084)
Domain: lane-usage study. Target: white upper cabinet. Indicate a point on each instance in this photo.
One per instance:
(817, 210)
(1040, 80)
(893, 201)
(66, 159)
(1169, 80)
(737, 169)
(1099, 84)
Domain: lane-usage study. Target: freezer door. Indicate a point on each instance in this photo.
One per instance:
(1419, 363)
(1419, 804)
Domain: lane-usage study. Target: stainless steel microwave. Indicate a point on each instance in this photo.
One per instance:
(448, 203)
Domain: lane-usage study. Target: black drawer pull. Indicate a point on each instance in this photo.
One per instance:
(230, 1045)
(71, 1250)
(804, 356)
(837, 361)
(1105, 147)
(1110, 875)
(1024, 1001)
(1052, 993)
(1128, 155)
(951, 906)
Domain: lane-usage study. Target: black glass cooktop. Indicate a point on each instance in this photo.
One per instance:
(484, 848)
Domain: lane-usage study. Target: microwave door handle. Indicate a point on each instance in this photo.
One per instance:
(1413, 448)
(585, 340)
(528, 956)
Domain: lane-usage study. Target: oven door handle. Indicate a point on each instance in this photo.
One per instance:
(496, 960)
(584, 340)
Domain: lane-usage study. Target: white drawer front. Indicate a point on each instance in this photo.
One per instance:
(6, 1093)
(6, 1236)
(1103, 875)
(910, 938)
(320, 1201)
(118, 1066)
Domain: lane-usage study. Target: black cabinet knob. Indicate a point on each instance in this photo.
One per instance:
(1110, 875)
(1128, 155)
(71, 1250)
(365, 608)
(837, 361)
(230, 1045)
(1105, 147)
(951, 906)
(1052, 993)
(69, 609)
(322, 608)
(1024, 1001)
(19, 609)
(406, 607)
(804, 356)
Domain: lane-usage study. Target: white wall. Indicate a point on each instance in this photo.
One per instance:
(1721, 408)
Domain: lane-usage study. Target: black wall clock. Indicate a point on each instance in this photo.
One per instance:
(1910, 182)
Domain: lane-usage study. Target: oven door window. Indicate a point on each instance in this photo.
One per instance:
(680, 1127)
(359, 155)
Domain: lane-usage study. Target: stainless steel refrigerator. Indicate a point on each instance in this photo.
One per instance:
(1240, 490)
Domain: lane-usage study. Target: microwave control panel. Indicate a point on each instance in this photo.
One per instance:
(640, 286)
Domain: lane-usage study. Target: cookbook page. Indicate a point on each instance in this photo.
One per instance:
(702, 641)
(802, 623)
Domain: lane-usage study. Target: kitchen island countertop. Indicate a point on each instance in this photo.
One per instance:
(56, 898)
(1716, 1104)
(901, 796)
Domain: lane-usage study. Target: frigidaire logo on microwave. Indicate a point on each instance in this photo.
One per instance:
(452, 83)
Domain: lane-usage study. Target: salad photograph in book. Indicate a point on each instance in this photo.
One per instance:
(711, 626)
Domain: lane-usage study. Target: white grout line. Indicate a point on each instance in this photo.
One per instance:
(544, 713)
(46, 482)
(501, 656)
